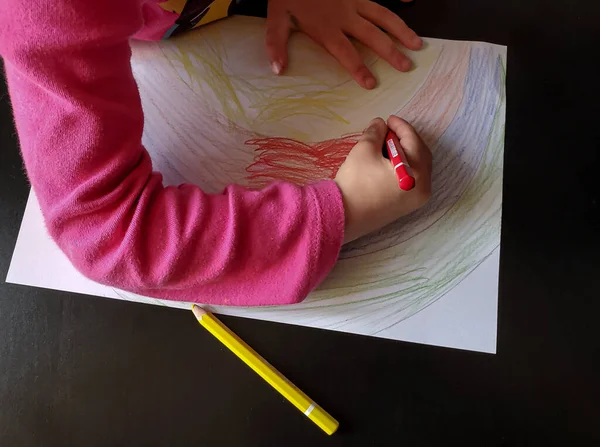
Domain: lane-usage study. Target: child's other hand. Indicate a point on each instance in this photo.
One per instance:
(369, 186)
(329, 22)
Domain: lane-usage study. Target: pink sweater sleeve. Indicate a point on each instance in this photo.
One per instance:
(79, 119)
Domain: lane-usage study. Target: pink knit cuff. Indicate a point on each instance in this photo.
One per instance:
(328, 241)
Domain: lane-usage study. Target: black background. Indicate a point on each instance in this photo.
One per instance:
(77, 370)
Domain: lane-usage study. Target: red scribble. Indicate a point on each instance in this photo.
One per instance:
(292, 161)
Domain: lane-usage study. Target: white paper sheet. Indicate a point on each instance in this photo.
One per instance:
(430, 278)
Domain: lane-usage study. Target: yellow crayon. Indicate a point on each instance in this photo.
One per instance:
(273, 377)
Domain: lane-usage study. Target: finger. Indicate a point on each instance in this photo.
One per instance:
(417, 152)
(386, 19)
(373, 136)
(342, 49)
(379, 42)
(279, 27)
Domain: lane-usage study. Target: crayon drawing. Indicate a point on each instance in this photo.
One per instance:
(214, 114)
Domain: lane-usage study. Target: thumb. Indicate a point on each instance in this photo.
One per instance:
(417, 152)
(279, 26)
(408, 136)
(373, 136)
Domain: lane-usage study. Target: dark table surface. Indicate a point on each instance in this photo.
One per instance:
(77, 370)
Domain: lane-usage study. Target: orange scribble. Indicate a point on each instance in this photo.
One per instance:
(296, 162)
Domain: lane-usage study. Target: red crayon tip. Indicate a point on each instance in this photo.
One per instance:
(406, 183)
(406, 180)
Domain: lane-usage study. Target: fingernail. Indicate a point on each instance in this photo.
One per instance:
(417, 41)
(369, 82)
(276, 67)
(405, 65)
(373, 124)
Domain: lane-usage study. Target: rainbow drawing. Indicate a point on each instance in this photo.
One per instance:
(212, 89)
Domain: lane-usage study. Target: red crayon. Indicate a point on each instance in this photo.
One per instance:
(406, 180)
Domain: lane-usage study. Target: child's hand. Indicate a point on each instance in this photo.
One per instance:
(369, 186)
(329, 22)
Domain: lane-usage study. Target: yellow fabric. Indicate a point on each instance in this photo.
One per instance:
(175, 6)
(217, 10)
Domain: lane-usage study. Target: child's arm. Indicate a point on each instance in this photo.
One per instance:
(79, 119)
